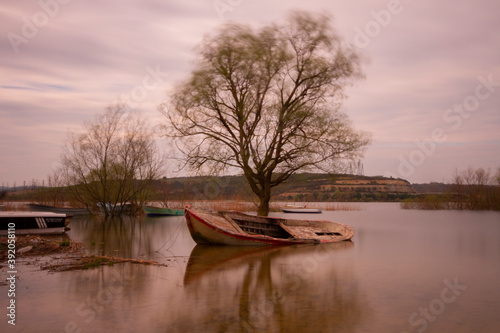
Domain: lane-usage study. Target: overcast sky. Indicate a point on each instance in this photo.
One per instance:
(431, 96)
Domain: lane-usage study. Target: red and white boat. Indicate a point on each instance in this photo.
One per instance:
(234, 228)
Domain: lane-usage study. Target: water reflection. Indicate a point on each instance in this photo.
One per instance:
(148, 238)
(272, 289)
(224, 288)
(395, 266)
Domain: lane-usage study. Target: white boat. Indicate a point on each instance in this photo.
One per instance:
(27, 223)
(114, 208)
(300, 209)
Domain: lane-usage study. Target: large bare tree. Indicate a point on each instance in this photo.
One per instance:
(267, 102)
(113, 161)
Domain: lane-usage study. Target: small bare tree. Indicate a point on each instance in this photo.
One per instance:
(267, 102)
(113, 162)
(55, 193)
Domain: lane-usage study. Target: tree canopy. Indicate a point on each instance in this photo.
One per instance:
(267, 101)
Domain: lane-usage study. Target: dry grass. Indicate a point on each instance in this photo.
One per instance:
(87, 262)
(347, 206)
(237, 205)
(241, 206)
(15, 206)
(248, 206)
(327, 206)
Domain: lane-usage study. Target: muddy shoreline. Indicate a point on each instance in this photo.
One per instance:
(57, 254)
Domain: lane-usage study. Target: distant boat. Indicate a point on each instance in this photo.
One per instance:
(112, 208)
(26, 223)
(233, 228)
(60, 210)
(158, 211)
(300, 209)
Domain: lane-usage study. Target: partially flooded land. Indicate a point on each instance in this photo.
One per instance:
(404, 271)
(55, 254)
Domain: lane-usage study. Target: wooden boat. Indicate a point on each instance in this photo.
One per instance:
(234, 228)
(159, 211)
(59, 210)
(25, 223)
(300, 209)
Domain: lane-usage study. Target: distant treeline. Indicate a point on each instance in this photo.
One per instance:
(472, 189)
(309, 187)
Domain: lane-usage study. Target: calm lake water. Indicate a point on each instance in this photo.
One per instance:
(404, 271)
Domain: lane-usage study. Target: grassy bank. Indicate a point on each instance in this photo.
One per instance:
(488, 200)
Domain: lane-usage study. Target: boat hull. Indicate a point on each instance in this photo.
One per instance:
(207, 228)
(158, 211)
(301, 210)
(59, 210)
(26, 223)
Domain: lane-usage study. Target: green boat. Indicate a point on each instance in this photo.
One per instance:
(159, 211)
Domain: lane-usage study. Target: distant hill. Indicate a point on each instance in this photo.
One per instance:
(299, 187)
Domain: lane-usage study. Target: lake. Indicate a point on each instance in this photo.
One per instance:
(404, 271)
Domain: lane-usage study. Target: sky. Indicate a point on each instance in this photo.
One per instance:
(430, 97)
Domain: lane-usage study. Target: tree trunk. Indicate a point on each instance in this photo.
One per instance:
(263, 209)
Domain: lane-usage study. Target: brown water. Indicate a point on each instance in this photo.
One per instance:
(404, 271)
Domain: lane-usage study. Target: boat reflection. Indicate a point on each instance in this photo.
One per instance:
(287, 288)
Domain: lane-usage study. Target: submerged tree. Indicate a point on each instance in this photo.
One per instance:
(113, 162)
(267, 102)
(476, 189)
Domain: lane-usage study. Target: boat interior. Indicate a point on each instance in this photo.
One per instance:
(282, 228)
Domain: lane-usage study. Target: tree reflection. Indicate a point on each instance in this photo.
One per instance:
(131, 237)
(292, 288)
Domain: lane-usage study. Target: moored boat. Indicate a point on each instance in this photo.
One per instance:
(300, 209)
(115, 208)
(59, 210)
(159, 211)
(234, 228)
(26, 223)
